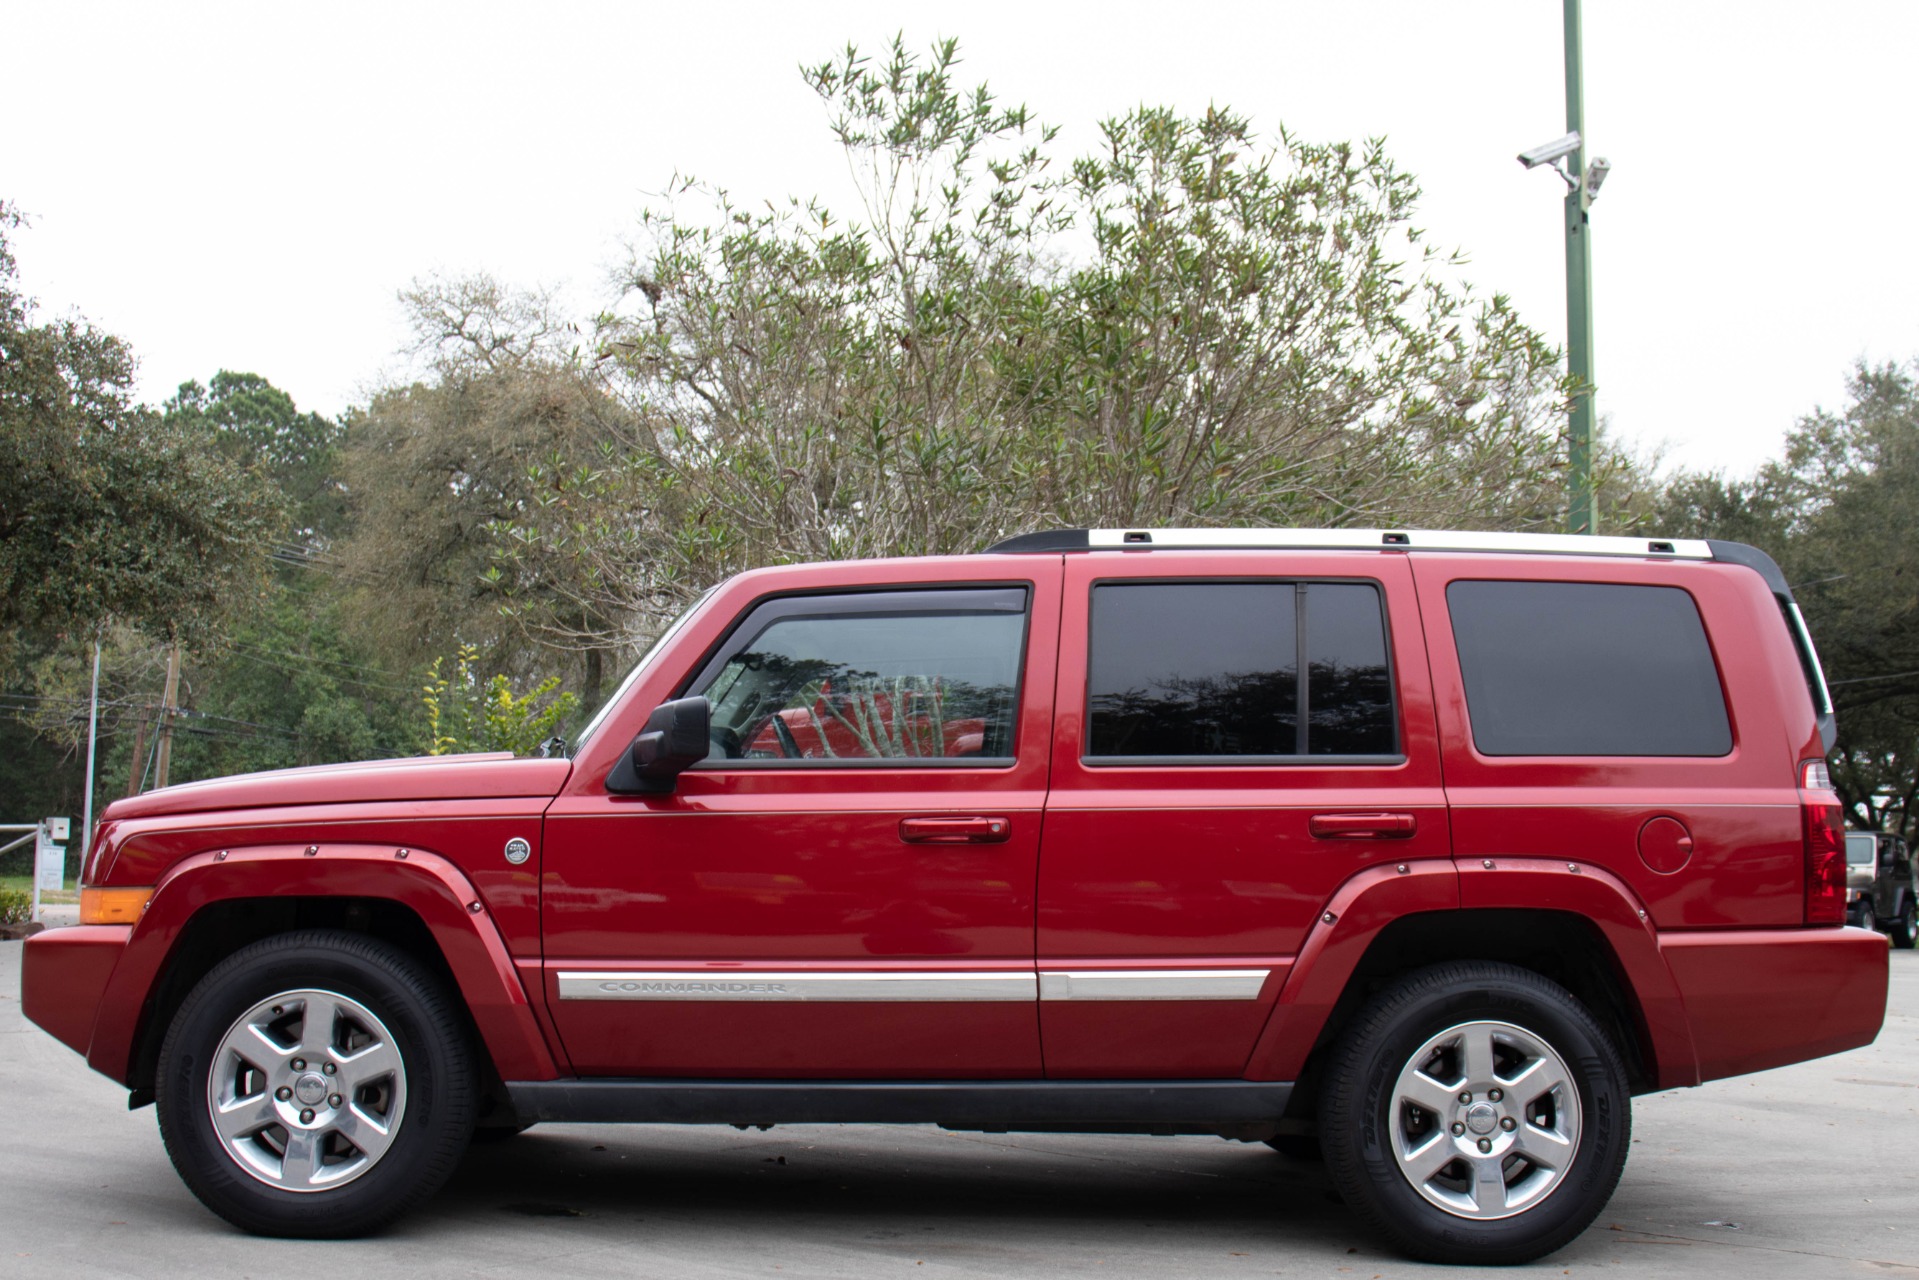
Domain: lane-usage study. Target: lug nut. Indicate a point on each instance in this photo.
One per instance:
(299, 1064)
(1459, 1130)
(1494, 1095)
(306, 1117)
(329, 1068)
(1485, 1144)
(1509, 1124)
(283, 1093)
(334, 1101)
(1464, 1097)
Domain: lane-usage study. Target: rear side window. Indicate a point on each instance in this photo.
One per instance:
(1189, 670)
(1587, 669)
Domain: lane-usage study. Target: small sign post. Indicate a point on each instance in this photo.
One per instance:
(49, 860)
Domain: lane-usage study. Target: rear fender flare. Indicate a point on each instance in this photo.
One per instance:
(1347, 925)
(1625, 925)
(430, 886)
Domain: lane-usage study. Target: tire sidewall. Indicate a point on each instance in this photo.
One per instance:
(1417, 1011)
(434, 1124)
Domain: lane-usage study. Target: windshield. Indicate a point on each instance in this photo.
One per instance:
(1859, 850)
(639, 668)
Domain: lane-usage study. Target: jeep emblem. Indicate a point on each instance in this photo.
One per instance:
(518, 851)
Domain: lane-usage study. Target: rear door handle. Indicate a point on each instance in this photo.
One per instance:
(955, 830)
(1362, 826)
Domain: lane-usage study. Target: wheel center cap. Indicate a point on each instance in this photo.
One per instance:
(310, 1089)
(1482, 1117)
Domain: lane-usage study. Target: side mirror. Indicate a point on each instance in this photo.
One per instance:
(677, 735)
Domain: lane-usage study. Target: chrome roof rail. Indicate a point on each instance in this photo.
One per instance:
(1566, 544)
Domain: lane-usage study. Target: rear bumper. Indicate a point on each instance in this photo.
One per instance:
(63, 974)
(1765, 998)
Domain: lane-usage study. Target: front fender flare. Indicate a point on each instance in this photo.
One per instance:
(430, 886)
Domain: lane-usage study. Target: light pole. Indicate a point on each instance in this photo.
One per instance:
(1567, 158)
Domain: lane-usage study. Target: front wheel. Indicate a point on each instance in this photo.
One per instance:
(315, 1084)
(1476, 1113)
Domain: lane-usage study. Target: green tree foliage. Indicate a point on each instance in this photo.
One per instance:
(112, 511)
(456, 480)
(1838, 513)
(467, 713)
(1189, 326)
(258, 427)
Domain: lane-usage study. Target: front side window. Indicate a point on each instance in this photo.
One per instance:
(1587, 669)
(1186, 670)
(900, 676)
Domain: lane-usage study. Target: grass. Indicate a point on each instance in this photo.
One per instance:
(70, 892)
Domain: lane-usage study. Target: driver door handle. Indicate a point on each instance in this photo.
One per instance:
(955, 830)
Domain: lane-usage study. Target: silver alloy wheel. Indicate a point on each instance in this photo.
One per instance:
(306, 1090)
(1485, 1120)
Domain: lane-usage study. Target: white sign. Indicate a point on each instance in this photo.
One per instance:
(50, 865)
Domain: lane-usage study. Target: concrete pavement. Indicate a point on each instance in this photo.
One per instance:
(1806, 1171)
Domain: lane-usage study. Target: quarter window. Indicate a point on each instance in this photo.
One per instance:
(1587, 669)
(912, 676)
(1212, 669)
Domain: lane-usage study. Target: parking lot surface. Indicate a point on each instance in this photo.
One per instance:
(1811, 1170)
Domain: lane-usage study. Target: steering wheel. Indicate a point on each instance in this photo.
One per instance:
(789, 745)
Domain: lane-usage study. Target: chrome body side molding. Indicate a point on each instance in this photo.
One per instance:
(738, 985)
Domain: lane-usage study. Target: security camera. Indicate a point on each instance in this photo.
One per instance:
(1551, 152)
(1596, 173)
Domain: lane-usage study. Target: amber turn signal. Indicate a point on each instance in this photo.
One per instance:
(113, 906)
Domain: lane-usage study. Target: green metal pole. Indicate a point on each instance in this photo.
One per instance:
(1582, 515)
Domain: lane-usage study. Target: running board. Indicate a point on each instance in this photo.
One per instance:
(1202, 1106)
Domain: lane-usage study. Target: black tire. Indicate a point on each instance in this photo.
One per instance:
(426, 1101)
(1364, 1123)
(1868, 918)
(1905, 930)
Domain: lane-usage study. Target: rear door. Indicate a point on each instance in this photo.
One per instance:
(1238, 734)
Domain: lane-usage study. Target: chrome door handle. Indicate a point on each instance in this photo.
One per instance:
(1362, 826)
(955, 830)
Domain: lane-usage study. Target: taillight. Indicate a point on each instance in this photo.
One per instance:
(1823, 823)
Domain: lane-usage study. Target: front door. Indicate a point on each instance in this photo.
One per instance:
(844, 888)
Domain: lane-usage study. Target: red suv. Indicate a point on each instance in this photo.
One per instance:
(1428, 850)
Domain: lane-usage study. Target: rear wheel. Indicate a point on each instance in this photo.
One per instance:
(315, 1084)
(1905, 929)
(1476, 1113)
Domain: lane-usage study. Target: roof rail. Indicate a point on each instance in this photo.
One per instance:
(1566, 544)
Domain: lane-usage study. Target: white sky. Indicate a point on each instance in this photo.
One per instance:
(248, 186)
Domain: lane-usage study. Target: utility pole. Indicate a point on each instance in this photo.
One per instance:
(163, 755)
(93, 726)
(1582, 515)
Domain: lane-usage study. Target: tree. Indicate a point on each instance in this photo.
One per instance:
(1188, 327)
(112, 511)
(1837, 513)
(258, 427)
(455, 479)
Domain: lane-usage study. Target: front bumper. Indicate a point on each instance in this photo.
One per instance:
(64, 973)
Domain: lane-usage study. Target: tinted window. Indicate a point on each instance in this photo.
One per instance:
(1587, 669)
(1198, 669)
(1348, 696)
(898, 676)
